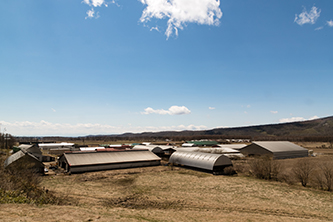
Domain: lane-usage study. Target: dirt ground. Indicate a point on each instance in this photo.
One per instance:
(172, 194)
(166, 193)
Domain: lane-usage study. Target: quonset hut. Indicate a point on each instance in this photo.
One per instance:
(154, 149)
(79, 162)
(275, 149)
(212, 162)
(157, 149)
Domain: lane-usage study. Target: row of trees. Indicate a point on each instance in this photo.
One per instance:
(316, 173)
(7, 141)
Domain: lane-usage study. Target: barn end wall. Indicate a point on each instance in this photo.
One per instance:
(255, 150)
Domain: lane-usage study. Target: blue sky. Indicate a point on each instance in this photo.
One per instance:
(108, 67)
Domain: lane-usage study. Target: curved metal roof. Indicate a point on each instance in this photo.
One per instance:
(199, 160)
(233, 146)
(151, 148)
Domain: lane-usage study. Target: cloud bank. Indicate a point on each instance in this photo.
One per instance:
(296, 119)
(308, 17)
(173, 110)
(44, 128)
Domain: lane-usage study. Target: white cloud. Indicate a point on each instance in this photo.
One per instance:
(180, 12)
(95, 3)
(43, 128)
(54, 110)
(274, 112)
(330, 23)
(308, 17)
(91, 14)
(173, 110)
(296, 119)
(211, 107)
(319, 28)
(154, 28)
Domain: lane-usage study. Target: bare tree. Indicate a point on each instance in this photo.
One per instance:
(327, 171)
(302, 170)
(265, 168)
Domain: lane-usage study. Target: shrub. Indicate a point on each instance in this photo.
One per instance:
(265, 168)
(22, 185)
(287, 178)
(326, 169)
(302, 171)
(229, 171)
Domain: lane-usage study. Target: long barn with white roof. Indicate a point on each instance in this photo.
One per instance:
(79, 162)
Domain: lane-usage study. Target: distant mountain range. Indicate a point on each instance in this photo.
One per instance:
(322, 127)
(312, 130)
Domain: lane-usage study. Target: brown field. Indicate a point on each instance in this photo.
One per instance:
(167, 193)
(173, 194)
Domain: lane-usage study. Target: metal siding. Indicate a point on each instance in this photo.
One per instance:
(87, 168)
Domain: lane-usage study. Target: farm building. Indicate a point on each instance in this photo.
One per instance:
(32, 149)
(157, 149)
(35, 151)
(188, 145)
(188, 149)
(231, 153)
(275, 149)
(91, 148)
(115, 146)
(168, 150)
(202, 142)
(206, 161)
(24, 160)
(48, 146)
(232, 146)
(78, 162)
(154, 149)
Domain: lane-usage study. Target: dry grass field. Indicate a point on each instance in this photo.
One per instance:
(172, 194)
(166, 193)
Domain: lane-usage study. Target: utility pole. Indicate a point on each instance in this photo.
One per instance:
(5, 137)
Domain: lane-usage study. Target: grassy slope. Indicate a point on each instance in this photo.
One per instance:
(162, 194)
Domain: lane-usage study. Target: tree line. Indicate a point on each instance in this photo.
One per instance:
(7, 141)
